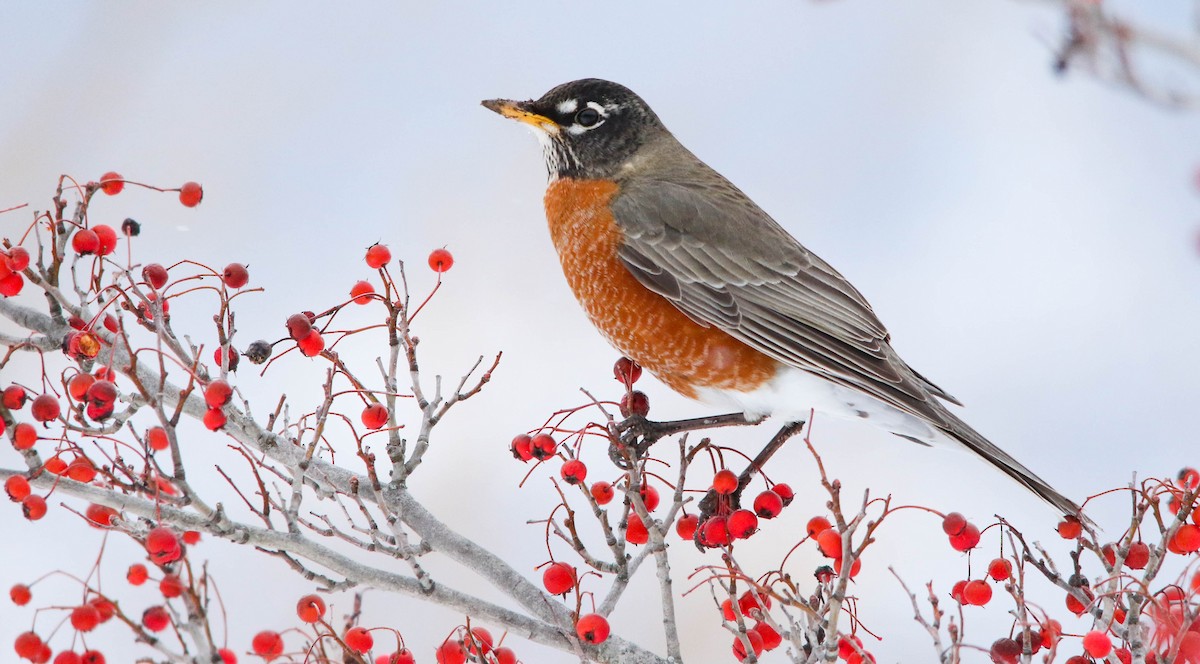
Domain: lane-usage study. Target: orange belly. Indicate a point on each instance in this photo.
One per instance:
(640, 323)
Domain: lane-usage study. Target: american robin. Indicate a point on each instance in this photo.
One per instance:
(684, 274)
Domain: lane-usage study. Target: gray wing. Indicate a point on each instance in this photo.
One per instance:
(753, 280)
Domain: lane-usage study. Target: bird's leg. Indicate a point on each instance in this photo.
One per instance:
(633, 436)
(641, 433)
(712, 503)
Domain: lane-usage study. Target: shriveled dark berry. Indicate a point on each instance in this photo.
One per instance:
(258, 352)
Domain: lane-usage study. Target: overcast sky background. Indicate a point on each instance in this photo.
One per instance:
(1029, 239)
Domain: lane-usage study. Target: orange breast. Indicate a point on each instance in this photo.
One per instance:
(640, 323)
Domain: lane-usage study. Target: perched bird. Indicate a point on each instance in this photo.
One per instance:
(686, 275)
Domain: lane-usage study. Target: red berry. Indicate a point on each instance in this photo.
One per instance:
(361, 292)
(214, 419)
(830, 543)
(106, 239)
(603, 493)
(1000, 569)
(440, 260)
(155, 275)
(312, 345)
(725, 482)
(34, 507)
(100, 515)
(20, 594)
(267, 644)
(236, 275)
(157, 439)
(405, 656)
(686, 526)
(17, 488)
(848, 645)
(817, 525)
(358, 639)
(163, 545)
(310, 608)
(1189, 478)
(953, 523)
(14, 397)
(227, 656)
(101, 392)
(299, 326)
(1138, 556)
(68, 657)
(156, 618)
(378, 255)
(112, 183)
(592, 628)
(739, 646)
(742, 524)
(753, 603)
(45, 408)
(104, 606)
(374, 416)
(784, 492)
(558, 578)
(977, 593)
(78, 386)
(1097, 644)
(771, 639)
(503, 654)
(574, 471)
(137, 574)
(191, 537)
(634, 403)
(714, 532)
(450, 652)
(650, 497)
(627, 371)
(55, 465)
(18, 259)
(24, 436)
(854, 567)
(543, 446)
(81, 470)
(190, 194)
(12, 284)
(85, 241)
(479, 641)
(965, 540)
(1005, 651)
(28, 645)
(1187, 538)
(170, 586)
(635, 530)
(522, 447)
(1069, 528)
(218, 393)
(85, 618)
(147, 308)
(768, 504)
(727, 611)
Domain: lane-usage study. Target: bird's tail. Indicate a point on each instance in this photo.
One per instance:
(974, 441)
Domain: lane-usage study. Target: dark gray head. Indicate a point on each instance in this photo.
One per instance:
(588, 128)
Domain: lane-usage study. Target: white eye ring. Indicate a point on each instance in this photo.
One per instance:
(589, 117)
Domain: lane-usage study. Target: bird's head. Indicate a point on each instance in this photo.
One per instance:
(588, 128)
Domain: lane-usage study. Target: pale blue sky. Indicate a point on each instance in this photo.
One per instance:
(1029, 239)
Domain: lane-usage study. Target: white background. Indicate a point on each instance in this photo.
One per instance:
(1029, 239)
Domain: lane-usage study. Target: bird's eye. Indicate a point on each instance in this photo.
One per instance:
(587, 117)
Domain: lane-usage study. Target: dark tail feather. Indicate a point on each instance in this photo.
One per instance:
(960, 431)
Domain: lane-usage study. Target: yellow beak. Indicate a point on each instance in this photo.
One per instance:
(518, 110)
